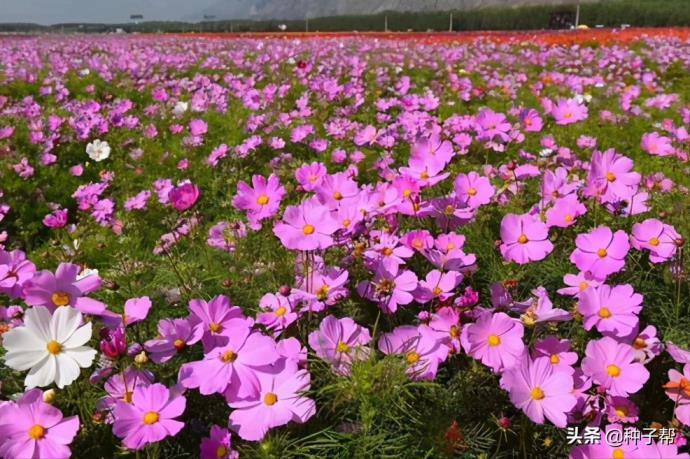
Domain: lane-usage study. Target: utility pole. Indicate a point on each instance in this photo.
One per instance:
(385, 23)
(450, 26)
(577, 15)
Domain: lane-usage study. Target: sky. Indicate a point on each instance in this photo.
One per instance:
(109, 11)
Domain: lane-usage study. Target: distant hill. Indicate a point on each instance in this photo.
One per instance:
(299, 9)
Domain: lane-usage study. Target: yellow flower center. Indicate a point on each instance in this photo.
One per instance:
(322, 293)
(472, 191)
(654, 242)
(262, 200)
(229, 357)
(437, 291)
(215, 327)
(555, 359)
(523, 239)
(604, 313)
(221, 452)
(151, 418)
(308, 229)
(412, 357)
(568, 218)
(346, 223)
(494, 340)
(618, 454)
(454, 331)
(37, 432)
(270, 399)
(406, 193)
(54, 347)
(424, 175)
(337, 196)
(611, 177)
(450, 246)
(179, 344)
(584, 286)
(537, 394)
(281, 311)
(60, 298)
(613, 370)
(387, 252)
(449, 210)
(128, 397)
(621, 412)
(602, 253)
(343, 347)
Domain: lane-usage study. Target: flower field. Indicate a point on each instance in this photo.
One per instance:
(347, 246)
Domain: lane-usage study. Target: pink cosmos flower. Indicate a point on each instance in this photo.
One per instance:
(578, 283)
(620, 409)
(336, 188)
(387, 251)
(612, 310)
(33, 429)
(340, 342)
(56, 219)
(121, 386)
(446, 321)
(150, 417)
(65, 287)
(474, 188)
(542, 310)
(558, 352)
(279, 401)
(495, 340)
(531, 120)
(308, 226)
(214, 319)
(569, 111)
(232, 368)
(611, 177)
(659, 238)
(657, 145)
(389, 289)
(612, 365)
(278, 312)
(565, 212)
(175, 336)
(421, 347)
(184, 197)
(311, 175)
(601, 251)
(524, 239)
(15, 271)
(539, 390)
(225, 235)
(261, 200)
(437, 285)
(218, 445)
(646, 344)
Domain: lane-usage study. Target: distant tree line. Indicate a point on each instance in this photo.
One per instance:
(609, 13)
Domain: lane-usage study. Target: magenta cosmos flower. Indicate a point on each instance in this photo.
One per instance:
(231, 369)
(15, 270)
(261, 200)
(214, 318)
(540, 391)
(660, 239)
(495, 339)
(64, 288)
(389, 289)
(218, 445)
(340, 342)
(308, 226)
(601, 251)
(280, 400)
(612, 310)
(184, 197)
(175, 335)
(421, 347)
(612, 365)
(568, 111)
(524, 239)
(150, 417)
(33, 429)
(473, 188)
(678, 390)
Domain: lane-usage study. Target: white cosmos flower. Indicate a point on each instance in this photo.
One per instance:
(98, 150)
(51, 347)
(180, 108)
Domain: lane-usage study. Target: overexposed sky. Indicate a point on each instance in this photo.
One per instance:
(109, 11)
